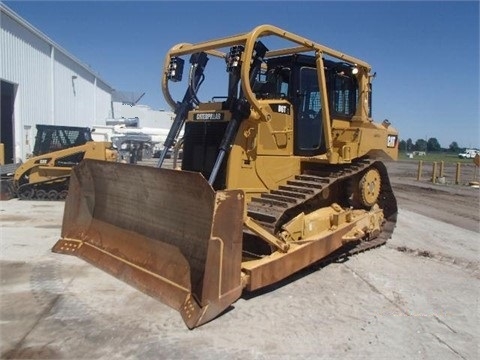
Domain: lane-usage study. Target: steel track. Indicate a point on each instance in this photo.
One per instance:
(306, 191)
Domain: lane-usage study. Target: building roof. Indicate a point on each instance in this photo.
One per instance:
(13, 15)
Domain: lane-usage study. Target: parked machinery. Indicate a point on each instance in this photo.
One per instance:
(280, 171)
(57, 150)
(133, 147)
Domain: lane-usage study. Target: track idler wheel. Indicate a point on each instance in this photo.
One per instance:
(62, 195)
(367, 190)
(26, 194)
(52, 195)
(41, 195)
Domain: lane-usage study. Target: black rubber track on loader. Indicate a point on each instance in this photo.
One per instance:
(50, 190)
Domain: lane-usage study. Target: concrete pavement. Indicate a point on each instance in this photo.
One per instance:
(416, 297)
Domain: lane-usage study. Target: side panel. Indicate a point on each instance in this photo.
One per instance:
(262, 155)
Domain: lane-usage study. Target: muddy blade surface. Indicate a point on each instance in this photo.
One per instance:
(166, 232)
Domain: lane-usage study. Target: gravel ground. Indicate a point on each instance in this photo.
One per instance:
(416, 297)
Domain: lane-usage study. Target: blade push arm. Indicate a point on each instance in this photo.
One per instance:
(198, 62)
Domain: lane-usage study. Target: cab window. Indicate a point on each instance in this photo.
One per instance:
(274, 84)
(343, 96)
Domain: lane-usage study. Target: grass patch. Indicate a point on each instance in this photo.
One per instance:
(431, 157)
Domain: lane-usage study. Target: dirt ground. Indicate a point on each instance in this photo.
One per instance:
(454, 204)
(414, 298)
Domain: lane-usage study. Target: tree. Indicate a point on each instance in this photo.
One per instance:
(402, 145)
(421, 145)
(433, 145)
(454, 147)
(409, 144)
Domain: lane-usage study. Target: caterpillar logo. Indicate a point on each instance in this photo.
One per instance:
(391, 141)
(208, 116)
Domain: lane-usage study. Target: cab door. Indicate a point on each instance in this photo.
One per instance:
(308, 115)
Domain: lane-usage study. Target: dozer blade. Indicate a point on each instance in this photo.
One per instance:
(166, 232)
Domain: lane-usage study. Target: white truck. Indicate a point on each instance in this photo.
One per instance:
(469, 154)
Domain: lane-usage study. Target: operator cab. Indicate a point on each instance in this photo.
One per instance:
(295, 79)
(56, 137)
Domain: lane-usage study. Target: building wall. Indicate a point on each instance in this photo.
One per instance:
(23, 56)
(52, 87)
(74, 95)
(103, 102)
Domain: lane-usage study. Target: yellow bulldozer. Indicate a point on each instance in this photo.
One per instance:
(57, 150)
(281, 170)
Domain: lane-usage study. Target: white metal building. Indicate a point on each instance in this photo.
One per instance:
(42, 83)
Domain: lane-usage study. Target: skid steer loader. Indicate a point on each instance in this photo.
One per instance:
(57, 150)
(282, 170)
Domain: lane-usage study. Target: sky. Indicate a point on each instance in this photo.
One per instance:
(425, 54)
